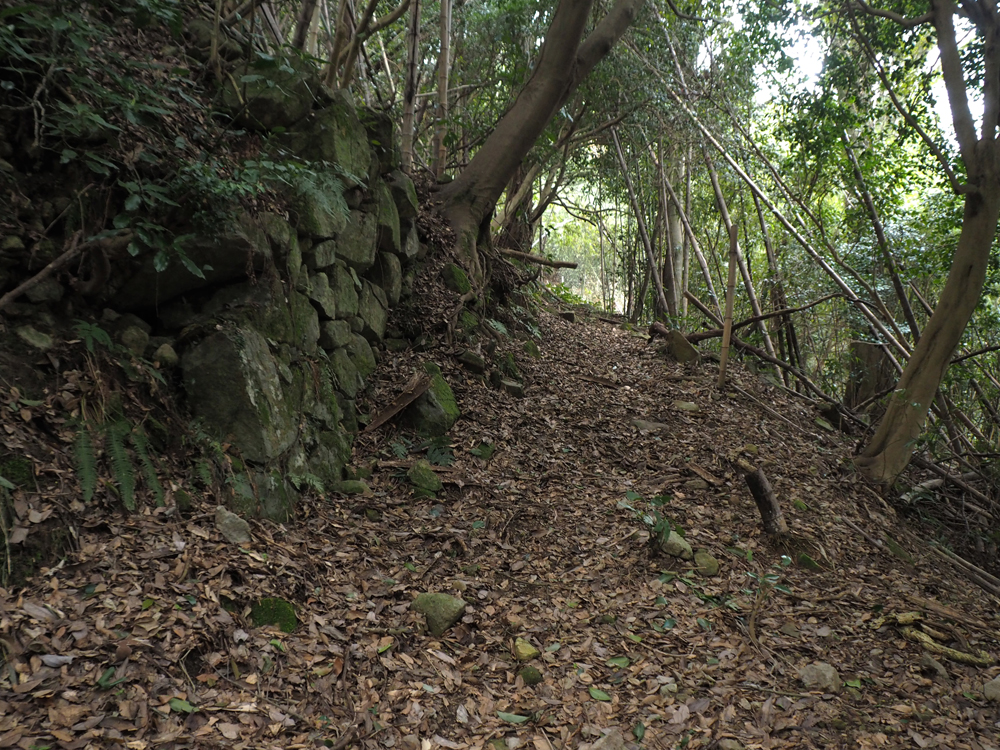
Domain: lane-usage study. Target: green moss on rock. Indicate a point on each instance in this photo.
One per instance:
(456, 279)
(274, 611)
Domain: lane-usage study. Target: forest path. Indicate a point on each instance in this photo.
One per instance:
(127, 643)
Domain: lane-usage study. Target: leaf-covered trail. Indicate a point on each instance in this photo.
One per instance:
(128, 644)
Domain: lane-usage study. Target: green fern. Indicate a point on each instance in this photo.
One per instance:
(307, 480)
(121, 464)
(86, 462)
(203, 469)
(141, 445)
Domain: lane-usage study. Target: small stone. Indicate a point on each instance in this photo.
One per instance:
(686, 406)
(727, 743)
(677, 546)
(530, 675)
(396, 345)
(991, 690)
(524, 651)
(696, 484)
(568, 315)
(681, 349)
(512, 387)
(613, 740)
(441, 610)
(12, 243)
(643, 426)
(531, 349)
(33, 337)
(233, 528)
(707, 565)
(472, 361)
(352, 487)
(422, 476)
(165, 356)
(790, 630)
(822, 676)
(930, 664)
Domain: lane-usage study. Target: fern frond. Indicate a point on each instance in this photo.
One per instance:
(86, 462)
(141, 445)
(203, 469)
(121, 464)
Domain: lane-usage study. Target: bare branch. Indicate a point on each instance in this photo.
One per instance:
(906, 23)
(537, 259)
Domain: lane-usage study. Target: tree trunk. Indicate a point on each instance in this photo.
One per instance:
(891, 448)
(303, 22)
(563, 64)
(439, 152)
(410, 87)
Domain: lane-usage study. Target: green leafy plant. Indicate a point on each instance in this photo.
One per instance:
(439, 451)
(307, 480)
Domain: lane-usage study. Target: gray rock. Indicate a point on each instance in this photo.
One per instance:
(33, 337)
(441, 610)
(388, 219)
(404, 194)
(436, 411)
(423, 477)
(344, 289)
(728, 743)
(929, 664)
(707, 565)
(513, 387)
(48, 290)
(681, 349)
(677, 546)
(373, 309)
(991, 690)
(383, 138)
(689, 406)
(346, 375)
(234, 529)
(165, 356)
(320, 256)
(612, 740)
(232, 383)
(358, 242)
(280, 234)
(568, 315)
(322, 297)
(820, 676)
(334, 334)
(361, 354)
(643, 426)
(472, 361)
(388, 274)
(410, 243)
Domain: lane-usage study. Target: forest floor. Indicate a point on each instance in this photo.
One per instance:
(125, 644)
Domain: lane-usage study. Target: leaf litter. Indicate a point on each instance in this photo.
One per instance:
(142, 637)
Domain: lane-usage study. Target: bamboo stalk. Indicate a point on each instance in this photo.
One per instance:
(727, 328)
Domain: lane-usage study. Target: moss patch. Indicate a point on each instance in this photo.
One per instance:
(274, 611)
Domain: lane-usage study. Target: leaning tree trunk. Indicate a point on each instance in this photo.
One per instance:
(563, 64)
(891, 448)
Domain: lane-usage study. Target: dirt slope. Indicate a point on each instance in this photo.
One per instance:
(126, 643)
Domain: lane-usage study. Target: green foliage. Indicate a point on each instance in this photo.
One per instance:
(91, 333)
(439, 451)
(85, 459)
(307, 480)
(141, 444)
(121, 463)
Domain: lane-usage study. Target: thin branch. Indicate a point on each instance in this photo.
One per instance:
(906, 23)
(537, 259)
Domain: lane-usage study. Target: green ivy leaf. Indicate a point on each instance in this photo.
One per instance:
(177, 704)
(639, 730)
(618, 661)
(705, 624)
(599, 695)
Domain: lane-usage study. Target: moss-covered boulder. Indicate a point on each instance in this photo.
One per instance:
(317, 212)
(441, 610)
(344, 289)
(358, 242)
(388, 274)
(334, 334)
(222, 258)
(423, 478)
(373, 309)
(336, 135)
(269, 93)
(274, 612)
(388, 219)
(404, 194)
(382, 137)
(232, 384)
(361, 354)
(436, 411)
(456, 279)
(322, 297)
(345, 373)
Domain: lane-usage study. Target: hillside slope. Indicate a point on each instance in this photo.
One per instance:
(127, 641)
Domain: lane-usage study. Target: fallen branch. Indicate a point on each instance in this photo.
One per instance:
(717, 332)
(537, 259)
(763, 495)
(105, 244)
(931, 466)
(413, 390)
